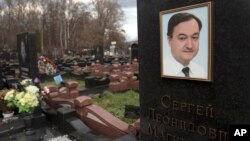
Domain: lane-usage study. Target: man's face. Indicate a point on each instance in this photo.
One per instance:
(184, 42)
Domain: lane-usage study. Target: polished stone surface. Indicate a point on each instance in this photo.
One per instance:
(227, 94)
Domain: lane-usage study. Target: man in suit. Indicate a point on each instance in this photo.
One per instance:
(183, 38)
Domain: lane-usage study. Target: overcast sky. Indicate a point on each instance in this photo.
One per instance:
(130, 24)
(127, 3)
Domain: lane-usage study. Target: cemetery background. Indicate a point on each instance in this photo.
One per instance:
(63, 27)
(29, 70)
(28, 40)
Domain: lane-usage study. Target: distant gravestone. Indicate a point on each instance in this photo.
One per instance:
(112, 50)
(6, 56)
(134, 51)
(1, 80)
(27, 54)
(99, 53)
(178, 109)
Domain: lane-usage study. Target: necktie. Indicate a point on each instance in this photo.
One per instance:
(186, 71)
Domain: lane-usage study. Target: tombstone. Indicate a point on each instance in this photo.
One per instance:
(1, 79)
(112, 50)
(27, 54)
(174, 109)
(132, 111)
(14, 56)
(134, 51)
(99, 53)
(6, 56)
(62, 115)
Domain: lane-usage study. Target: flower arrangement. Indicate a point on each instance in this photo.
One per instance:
(45, 65)
(3, 105)
(27, 100)
(60, 138)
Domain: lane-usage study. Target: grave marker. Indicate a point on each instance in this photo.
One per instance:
(174, 109)
(27, 54)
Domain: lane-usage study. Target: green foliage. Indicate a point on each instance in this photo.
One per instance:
(115, 103)
(27, 100)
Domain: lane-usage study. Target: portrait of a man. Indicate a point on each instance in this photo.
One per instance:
(182, 46)
(23, 52)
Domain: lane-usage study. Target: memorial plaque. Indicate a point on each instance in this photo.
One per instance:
(27, 53)
(182, 109)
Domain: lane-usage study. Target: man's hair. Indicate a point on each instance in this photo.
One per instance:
(181, 17)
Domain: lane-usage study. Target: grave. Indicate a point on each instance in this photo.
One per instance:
(99, 53)
(134, 51)
(27, 55)
(1, 80)
(174, 108)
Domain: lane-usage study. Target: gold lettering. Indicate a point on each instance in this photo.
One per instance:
(158, 117)
(183, 125)
(209, 111)
(166, 120)
(202, 130)
(199, 110)
(176, 138)
(151, 114)
(183, 106)
(169, 137)
(212, 133)
(222, 135)
(152, 130)
(162, 136)
(166, 101)
(174, 122)
(175, 105)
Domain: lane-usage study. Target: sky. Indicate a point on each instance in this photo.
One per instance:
(130, 23)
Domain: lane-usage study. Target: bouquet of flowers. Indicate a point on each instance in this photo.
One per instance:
(26, 100)
(3, 105)
(45, 65)
(60, 138)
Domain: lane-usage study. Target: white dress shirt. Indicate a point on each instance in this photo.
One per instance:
(171, 67)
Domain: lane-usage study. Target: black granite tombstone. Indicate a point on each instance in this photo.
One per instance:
(6, 56)
(27, 54)
(175, 109)
(62, 115)
(132, 111)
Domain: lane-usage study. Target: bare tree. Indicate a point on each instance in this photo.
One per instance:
(63, 24)
(108, 17)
